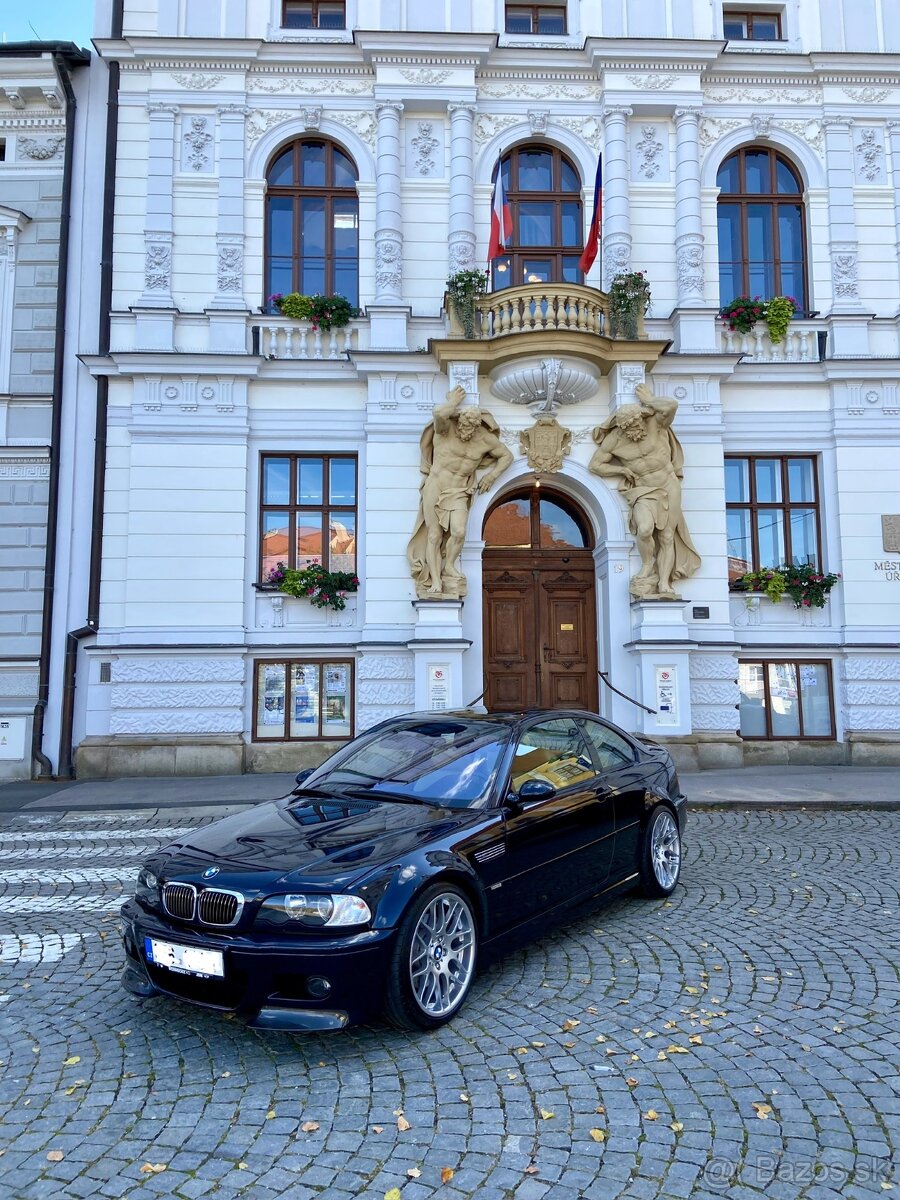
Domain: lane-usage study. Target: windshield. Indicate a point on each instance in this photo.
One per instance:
(446, 762)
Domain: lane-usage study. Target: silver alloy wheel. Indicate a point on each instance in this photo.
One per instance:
(442, 954)
(665, 849)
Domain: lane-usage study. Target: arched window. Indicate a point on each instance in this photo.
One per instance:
(762, 234)
(536, 520)
(312, 221)
(543, 190)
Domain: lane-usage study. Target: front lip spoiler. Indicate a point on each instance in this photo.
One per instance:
(299, 1020)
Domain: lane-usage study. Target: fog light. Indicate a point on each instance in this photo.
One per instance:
(318, 987)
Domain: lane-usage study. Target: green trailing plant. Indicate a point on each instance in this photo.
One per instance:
(629, 300)
(323, 589)
(806, 585)
(464, 288)
(742, 313)
(323, 312)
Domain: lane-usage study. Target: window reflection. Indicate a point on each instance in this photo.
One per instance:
(535, 521)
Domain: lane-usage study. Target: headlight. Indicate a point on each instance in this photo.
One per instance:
(303, 908)
(147, 887)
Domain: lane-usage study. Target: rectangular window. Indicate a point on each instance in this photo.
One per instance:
(308, 700)
(308, 511)
(785, 700)
(741, 26)
(312, 14)
(772, 512)
(536, 18)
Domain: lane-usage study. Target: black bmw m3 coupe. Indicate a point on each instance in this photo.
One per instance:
(373, 887)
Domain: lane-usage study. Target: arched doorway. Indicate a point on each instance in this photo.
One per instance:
(540, 614)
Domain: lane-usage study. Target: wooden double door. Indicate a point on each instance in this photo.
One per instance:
(540, 630)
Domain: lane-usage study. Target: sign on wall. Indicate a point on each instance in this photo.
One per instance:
(438, 686)
(12, 737)
(667, 695)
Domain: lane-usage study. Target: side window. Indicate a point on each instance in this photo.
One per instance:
(611, 750)
(554, 751)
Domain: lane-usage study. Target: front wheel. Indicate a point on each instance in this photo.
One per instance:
(434, 958)
(660, 854)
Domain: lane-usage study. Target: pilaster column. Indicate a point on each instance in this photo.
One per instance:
(841, 215)
(230, 218)
(893, 132)
(462, 188)
(688, 216)
(616, 215)
(157, 291)
(388, 214)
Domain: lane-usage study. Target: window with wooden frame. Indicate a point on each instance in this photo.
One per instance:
(308, 511)
(313, 14)
(312, 221)
(537, 18)
(772, 512)
(762, 227)
(741, 25)
(543, 190)
(301, 700)
(787, 699)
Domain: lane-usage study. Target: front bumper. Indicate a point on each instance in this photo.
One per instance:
(266, 976)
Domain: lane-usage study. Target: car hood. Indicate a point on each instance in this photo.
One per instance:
(311, 841)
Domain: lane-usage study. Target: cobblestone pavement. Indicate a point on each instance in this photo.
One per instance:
(742, 1039)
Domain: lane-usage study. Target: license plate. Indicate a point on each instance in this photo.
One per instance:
(186, 960)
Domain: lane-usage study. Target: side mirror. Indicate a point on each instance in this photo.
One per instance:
(535, 789)
(302, 776)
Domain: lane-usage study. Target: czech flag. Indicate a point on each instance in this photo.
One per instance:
(501, 217)
(590, 247)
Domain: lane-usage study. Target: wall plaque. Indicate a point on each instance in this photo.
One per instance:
(890, 532)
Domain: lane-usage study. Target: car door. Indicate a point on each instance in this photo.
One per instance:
(558, 846)
(623, 777)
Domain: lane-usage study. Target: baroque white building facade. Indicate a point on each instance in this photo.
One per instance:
(230, 433)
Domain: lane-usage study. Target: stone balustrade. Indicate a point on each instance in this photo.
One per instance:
(542, 308)
(801, 343)
(278, 337)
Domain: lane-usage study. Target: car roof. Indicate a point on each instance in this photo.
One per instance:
(496, 718)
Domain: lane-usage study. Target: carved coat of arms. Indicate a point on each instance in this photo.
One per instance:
(545, 445)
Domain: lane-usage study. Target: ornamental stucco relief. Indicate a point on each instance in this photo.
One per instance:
(177, 670)
(309, 85)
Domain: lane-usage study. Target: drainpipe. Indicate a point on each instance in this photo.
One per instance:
(75, 636)
(45, 767)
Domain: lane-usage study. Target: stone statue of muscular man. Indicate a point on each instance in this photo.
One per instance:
(455, 447)
(638, 448)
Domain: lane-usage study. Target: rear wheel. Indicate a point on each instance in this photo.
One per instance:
(434, 959)
(660, 854)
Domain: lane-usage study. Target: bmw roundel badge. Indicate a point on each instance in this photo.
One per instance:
(210, 872)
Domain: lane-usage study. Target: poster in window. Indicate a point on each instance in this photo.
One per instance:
(270, 701)
(305, 700)
(336, 715)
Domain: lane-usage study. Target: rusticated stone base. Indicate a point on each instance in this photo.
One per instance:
(139, 757)
(704, 751)
(712, 752)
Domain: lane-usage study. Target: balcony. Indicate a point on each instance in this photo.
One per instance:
(542, 308)
(804, 342)
(277, 337)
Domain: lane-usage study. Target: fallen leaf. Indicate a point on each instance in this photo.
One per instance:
(446, 1174)
(539, 1045)
(762, 1110)
(398, 1112)
(546, 1114)
(886, 1186)
(692, 991)
(651, 1114)
(758, 1030)
(242, 1166)
(631, 1081)
(55, 1156)
(532, 1170)
(569, 1024)
(393, 1194)
(414, 1172)
(309, 1126)
(124, 1032)
(403, 1124)
(521, 1049)
(69, 1091)
(769, 978)
(378, 1129)
(152, 1168)
(676, 1127)
(804, 1047)
(662, 1056)
(599, 1135)
(270, 1114)
(592, 1009)
(70, 1062)
(695, 1039)
(464, 1097)
(569, 1045)
(225, 1075)
(673, 1049)
(600, 1109)
(601, 1039)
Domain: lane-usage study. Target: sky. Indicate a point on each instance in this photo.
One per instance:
(47, 21)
